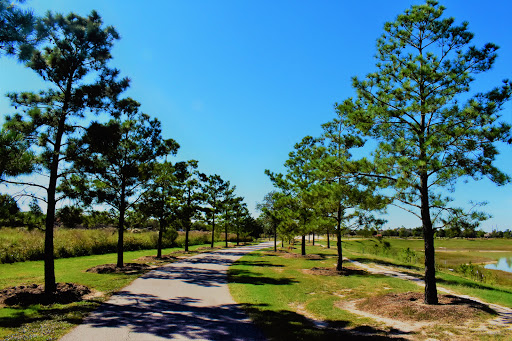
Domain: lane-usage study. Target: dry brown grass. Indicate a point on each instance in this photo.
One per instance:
(128, 268)
(25, 295)
(296, 255)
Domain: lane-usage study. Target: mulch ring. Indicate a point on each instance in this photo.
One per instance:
(296, 255)
(346, 271)
(128, 268)
(207, 248)
(25, 295)
(409, 306)
(151, 259)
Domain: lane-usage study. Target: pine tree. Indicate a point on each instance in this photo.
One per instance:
(270, 213)
(188, 195)
(214, 188)
(117, 160)
(230, 204)
(20, 30)
(296, 185)
(159, 199)
(77, 52)
(413, 105)
(340, 195)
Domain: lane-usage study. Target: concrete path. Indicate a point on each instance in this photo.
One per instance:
(185, 300)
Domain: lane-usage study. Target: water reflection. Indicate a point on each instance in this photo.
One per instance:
(503, 264)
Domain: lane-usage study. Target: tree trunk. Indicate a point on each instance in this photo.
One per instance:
(120, 247)
(187, 228)
(313, 238)
(226, 231)
(428, 236)
(160, 237)
(188, 217)
(339, 266)
(50, 284)
(237, 237)
(328, 240)
(303, 248)
(275, 239)
(49, 265)
(213, 231)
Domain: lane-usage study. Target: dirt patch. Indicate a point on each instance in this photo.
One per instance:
(346, 271)
(150, 259)
(410, 307)
(207, 248)
(296, 255)
(128, 268)
(275, 253)
(25, 295)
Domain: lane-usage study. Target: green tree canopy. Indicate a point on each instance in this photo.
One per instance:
(20, 30)
(214, 190)
(115, 160)
(74, 62)
(298, 206)
(430, 130)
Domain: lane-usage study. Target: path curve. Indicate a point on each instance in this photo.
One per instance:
(185, 300)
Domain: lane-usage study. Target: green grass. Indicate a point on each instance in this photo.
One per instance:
(275, 290)
(281, 296)
(38, 322)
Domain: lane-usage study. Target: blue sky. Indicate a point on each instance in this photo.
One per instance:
(237, 83)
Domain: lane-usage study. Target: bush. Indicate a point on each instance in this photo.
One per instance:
(475, 272)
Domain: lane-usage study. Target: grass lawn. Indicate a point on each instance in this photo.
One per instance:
(287, 300)
(38, 322)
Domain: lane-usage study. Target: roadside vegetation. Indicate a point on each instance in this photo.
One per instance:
(18, 244)
(303, 298)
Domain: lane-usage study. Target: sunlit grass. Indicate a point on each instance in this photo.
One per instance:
(38, 322)
(285, 300)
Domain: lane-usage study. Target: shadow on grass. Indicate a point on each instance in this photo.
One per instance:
(458, 282)
(385, 263)
(73, 314)
(289, 325)
(249, 277)
(470, 284)
(261, 263)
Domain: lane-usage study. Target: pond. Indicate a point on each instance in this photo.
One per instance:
(503, 264)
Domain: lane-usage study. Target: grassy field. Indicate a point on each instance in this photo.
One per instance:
(288, 300)
(39, 322)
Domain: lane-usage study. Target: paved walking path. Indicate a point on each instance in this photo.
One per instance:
(185, 300)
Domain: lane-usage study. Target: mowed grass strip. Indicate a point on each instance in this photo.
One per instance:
(287, 300)
(284, 299)
(38, 322)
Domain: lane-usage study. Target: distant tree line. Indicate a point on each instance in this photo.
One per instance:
(450, 232)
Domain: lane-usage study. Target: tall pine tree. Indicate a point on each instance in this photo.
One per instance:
(74, 62)
(430, 131)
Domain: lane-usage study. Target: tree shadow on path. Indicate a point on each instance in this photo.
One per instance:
(182, 316)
